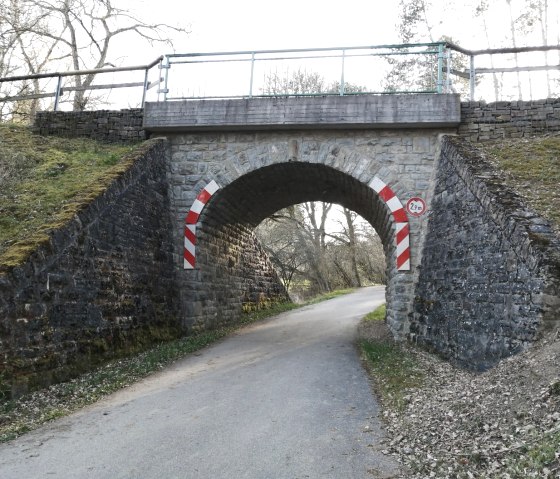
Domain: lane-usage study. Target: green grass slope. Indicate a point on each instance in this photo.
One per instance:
(44, 181)
(532, 169)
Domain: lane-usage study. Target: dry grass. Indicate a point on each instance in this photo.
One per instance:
(532, 169)
(44, 181)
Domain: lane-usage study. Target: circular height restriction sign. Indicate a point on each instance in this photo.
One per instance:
(416, 206)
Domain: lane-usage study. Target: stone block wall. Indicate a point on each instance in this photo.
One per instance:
(493, 121)
(104, 285)
(119, 126)
(489, 280)
(263, 172)
(233, 275)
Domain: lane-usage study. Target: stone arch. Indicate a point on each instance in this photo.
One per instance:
(385, 192)
(279, 168)
(228, 220)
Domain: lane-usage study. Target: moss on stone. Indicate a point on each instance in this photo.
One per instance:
(532, 169)
(45, 181)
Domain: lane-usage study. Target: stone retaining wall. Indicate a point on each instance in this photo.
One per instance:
(112, 126)
(103, 286)
(493, 121)
(489, 279)
(479, 121)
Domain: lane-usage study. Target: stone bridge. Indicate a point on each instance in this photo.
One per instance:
(168, 249)
(368, 153)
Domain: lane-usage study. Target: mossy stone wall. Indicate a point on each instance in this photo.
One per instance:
(104, 284)
(112, 126)
(489, 282)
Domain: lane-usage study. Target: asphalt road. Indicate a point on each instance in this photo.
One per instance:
(286, 398)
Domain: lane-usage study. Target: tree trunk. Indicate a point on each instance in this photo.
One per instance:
(352, 245)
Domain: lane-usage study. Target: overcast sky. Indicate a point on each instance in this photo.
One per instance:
(221, 25)
(226, 25)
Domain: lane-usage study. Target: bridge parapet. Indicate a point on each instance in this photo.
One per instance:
(324, 112)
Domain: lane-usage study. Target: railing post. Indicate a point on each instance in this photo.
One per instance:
(145, 90)
(448, 73)
(472, 78)
(57, 93)
(160, 67)
(342, 74)
(252, 74)
(165, 90)
(440, 69)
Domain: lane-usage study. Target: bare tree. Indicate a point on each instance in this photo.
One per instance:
(295, 83)
(76, 33)
(480, 12)
(316, 251)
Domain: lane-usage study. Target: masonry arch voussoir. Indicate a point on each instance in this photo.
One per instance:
(226, 216)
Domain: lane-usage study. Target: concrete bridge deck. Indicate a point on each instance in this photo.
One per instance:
(314, 112)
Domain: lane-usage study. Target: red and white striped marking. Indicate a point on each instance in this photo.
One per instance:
(402, 234)
(189, 253)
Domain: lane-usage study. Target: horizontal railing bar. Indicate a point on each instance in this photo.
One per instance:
(82, 72)
(34, 96)
(518, 69)
(492, 51)
(314, 57)
(285, 95)
(102, 87)
(459, 73)
(154, 83)
(302, 50)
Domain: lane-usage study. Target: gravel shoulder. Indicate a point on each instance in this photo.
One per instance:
(504, 423)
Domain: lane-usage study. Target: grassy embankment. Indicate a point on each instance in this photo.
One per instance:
(531, 167)
(44, 181)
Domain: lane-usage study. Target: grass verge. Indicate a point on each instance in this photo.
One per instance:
(329, 295)
(532, 169)
(44, 181)
(542, 457)
(391, 367)
(31, 411)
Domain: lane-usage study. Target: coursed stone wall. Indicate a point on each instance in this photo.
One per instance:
(489, 280)
(493, 121)
(484, 288)
(112, 126)
(103, 286)
(262, 172)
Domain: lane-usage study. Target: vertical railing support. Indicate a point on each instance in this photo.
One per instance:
(159, 67)
(448, 73)
(252, 74)
(145, 89)
(440, 68)
(57, 93)
(342, 73)
(472, 78)
(166, 66)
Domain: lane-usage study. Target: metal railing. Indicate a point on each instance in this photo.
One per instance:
(330, 63)
(439, 67)
(57, 93)
(491, 53)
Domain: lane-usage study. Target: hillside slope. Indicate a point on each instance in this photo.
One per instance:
(44, 181)
(505, 422)
(531, 167)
